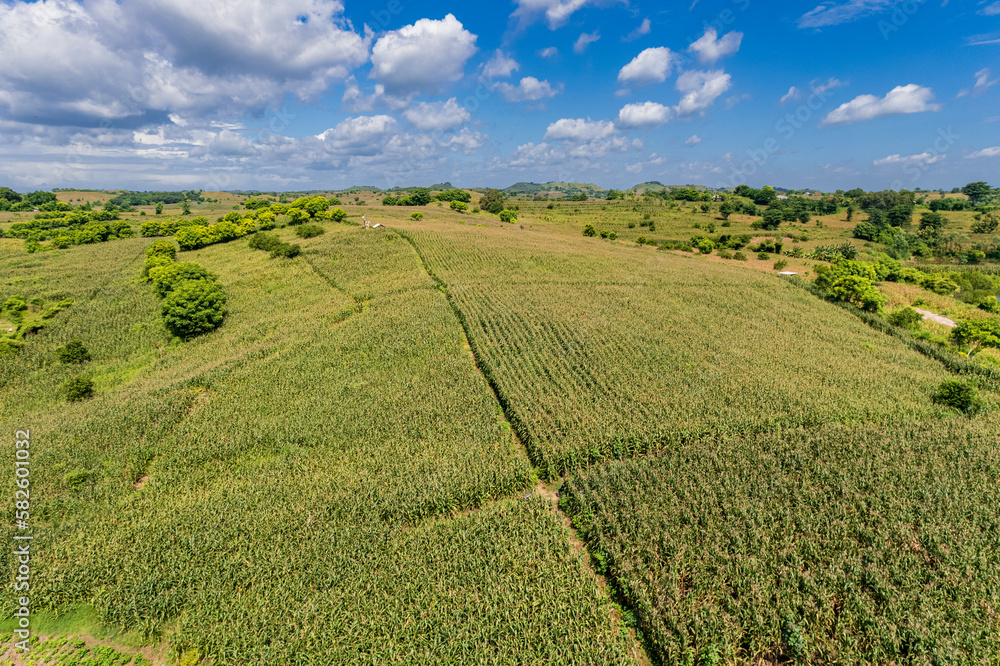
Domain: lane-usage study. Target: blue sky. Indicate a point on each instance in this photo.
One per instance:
(303, 94)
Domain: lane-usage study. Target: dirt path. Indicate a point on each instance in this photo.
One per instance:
(944, 321)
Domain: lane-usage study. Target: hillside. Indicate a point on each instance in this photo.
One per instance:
(555, 189)
(454, 439)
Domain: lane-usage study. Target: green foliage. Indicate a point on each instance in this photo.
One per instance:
(859, 291)
(780, 264)
(906, 317)
(454, 196)
(773, 217)
(987, 225)
(73, 352)
(417, 216)
(338, 215)
(509, 216)
(194, 307)
(940, 283)
(459, 206)
(166, 278)
(973, 334)
(959, 394)
(263, 241)
(703, 244)
(309, 231)
(78, 388)
(589, 230)
(493, 201)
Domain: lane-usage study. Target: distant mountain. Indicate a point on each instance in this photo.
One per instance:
(566, 189)
(656, 186)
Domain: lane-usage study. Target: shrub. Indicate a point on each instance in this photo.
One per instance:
(266, 242)
(780, 265)
(763, 256)
(286, 251)
(166, 278)
(417, 216)
(509, 216)
(338, 215)
(725, 254)
(309, 231)
(459, 206)
(589, 231)
(162, 248)
(906, 317)
(962, 395)
(76, 478)
(739, 256)
(604, 234)
(194, 307)
(613, 236)
(78, 388)
(73, 352)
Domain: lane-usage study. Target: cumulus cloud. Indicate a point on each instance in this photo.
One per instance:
(985, 152)
(437, 116)
(901, 99)
(549, 52)
(363, 135)
(643, 116)
(585, 40)
(992, 9)
(423, 57)
(700, 90)
(529, 89)
(644, 29)
(578, 129)
(710, 47)
(922, 158)
(693, 140)
(651, 66)
(983, 83)
(500, 66)
(137, 63)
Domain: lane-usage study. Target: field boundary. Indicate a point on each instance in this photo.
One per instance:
(543, 490)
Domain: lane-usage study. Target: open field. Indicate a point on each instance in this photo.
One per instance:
(347, 471)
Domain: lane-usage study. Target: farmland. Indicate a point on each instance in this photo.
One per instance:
(358, 466)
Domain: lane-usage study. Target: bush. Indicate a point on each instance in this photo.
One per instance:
(166, 278)
(962, 395)
(309, 231)
(338, 215)
(73, 352)
(417, 216)
(459, 206)
(589, 231)
(266, 242)
(780, 265)
(739, 256)
(162, 248)
(194, 307)
(509, 216)
(763, 256)
(286, 251)
(78, 388)
(906, 317)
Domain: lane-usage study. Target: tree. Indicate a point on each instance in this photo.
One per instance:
(987, 225)
(977, 192)
(850, 212)
(931, 224)
(509, 216)
(159, 208)
(186, 208)
(859, 291)
(73, 352)
(493, 201)
(165, 278)
(338, 215)
(194, 307)
(78, 388)
(459, 206)
(773, 217)
(589, 230)
(726, 209)
(961, 395)
(900, 215)
(975, 333)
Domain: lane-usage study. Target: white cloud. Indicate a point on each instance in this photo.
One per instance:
(831, 13)
(830, 84)
(991, 9)
(585, 40)
(985, 152)
(437, 116)
(693, 140)
(555, 12)
(465, 141)
(363, 135)
(644, 29)
(922, 158)
(549, 52)
(500, 66)
(651, 66)
(423, 57)
(643, 116)
(578, 129)
(529, 89)
(137, 63)
(700, 90)
(792, 95)
(710, 48)
(983, 83)
(901, 99)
